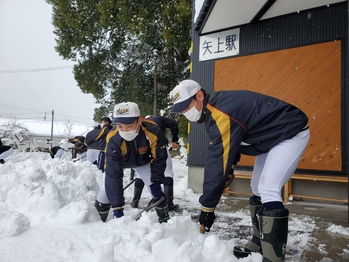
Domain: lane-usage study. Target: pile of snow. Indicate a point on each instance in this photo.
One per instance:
(47, 214)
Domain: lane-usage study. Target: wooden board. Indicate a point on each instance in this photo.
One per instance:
(308, 77)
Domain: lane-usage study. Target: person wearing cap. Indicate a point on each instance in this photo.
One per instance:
(102, 138)
(163, 123)
(93, 143)
(249, 123)
(134, 143)
(79, 148)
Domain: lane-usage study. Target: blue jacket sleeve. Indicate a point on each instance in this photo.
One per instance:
(159, 157)
(114, 174)
(224, 143)
(173, 126)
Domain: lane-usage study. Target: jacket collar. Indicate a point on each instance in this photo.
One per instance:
(204, 109)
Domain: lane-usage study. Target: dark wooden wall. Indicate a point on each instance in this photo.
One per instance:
(308, 77)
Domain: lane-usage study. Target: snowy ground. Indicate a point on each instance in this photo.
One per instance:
(47, 214)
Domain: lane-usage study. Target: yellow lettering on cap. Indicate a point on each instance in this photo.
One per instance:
(176, 96)
(122, 111)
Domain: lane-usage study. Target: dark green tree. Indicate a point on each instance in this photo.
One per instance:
(116, 45)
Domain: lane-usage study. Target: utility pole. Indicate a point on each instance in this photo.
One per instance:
(53, 114)
(155, 111)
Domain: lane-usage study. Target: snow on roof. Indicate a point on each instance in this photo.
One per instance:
(198, 6)
(43, 128)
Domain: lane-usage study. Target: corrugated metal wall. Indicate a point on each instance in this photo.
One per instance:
(293, 30)
(304, 28)
(198, 138)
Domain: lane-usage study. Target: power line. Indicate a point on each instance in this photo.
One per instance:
(24, 84)
(34, 70)
(22, 108)
(71, 116)
(28, 110)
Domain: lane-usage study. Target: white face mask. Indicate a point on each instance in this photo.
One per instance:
(193, 114)
(129, 135)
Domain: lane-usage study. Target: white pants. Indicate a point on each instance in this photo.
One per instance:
(168, 170)
(142, 171)
(169, 167)
(6, 153)
(92, 155)
(59, 153)
(272, 170)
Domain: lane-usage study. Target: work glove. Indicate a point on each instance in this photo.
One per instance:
(118, 213)
(206, 219)
(157, 193)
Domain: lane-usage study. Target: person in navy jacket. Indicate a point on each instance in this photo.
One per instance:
(93, 143)
(162, 122)
(106, 126)
(79, 148)
(247, 123)
(134, 143)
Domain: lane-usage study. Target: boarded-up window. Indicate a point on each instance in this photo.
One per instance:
(308, 77)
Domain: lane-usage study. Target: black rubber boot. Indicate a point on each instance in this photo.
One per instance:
(168, 188)
(274, 230)
(2, 161)
(132, 174)
(139, 185)
(254, 245)
(103, 210)
(136, 197)
(169, 196)
(162, 213)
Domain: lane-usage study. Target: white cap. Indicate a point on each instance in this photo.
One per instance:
(182, 95)
(126, 113)
(64, 143)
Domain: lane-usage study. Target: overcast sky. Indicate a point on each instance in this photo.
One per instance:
(34, 79)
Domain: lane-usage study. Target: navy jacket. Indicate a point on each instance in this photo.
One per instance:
(148, 147)
(165, 122)
(245, 122)
(102, 136)
(92, 138)
(80, 145)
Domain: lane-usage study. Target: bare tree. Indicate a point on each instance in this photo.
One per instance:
(13, 132)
